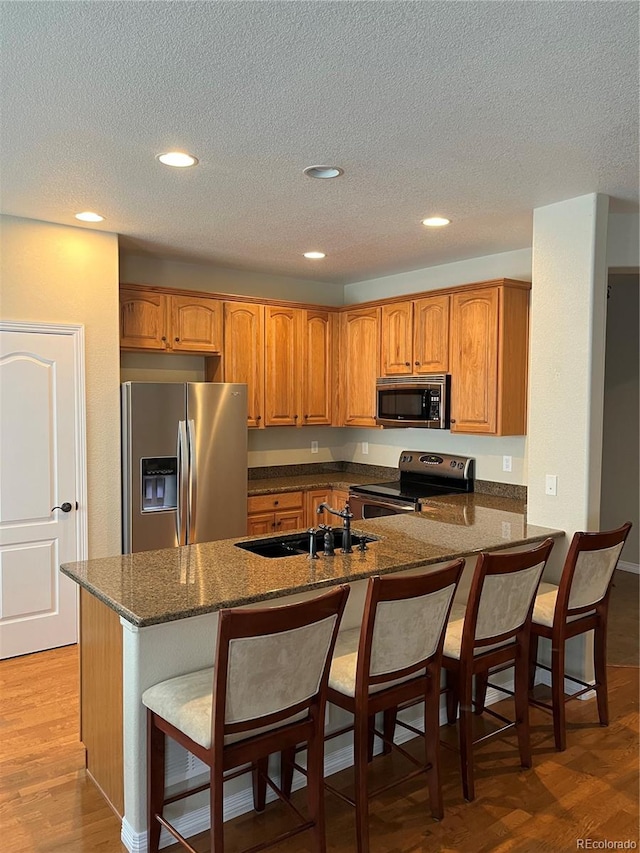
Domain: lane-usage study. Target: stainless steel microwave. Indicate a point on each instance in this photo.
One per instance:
(413, 401)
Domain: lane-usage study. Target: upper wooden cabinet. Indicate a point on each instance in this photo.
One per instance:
(196, 324)
(159, 321)
(415, 336)
(316, 367)
(359, 366)
(143, 320)
(243, 354)
(489, 343)
(298, 366)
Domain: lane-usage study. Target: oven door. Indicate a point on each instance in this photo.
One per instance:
(371, 507)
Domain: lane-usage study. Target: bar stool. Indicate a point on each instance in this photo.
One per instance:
(266, 692)
(493, 635)
(394, 657)
(578, 604)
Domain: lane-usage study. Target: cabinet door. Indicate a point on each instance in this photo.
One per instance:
(397, 326)
(431, 335)
(282, 386)
(339, 498)
(359, 363)
(316, 367)
(261, 524)
(196, 324)
(474, 361)
(143, 320)
(291, 519)
(243, 354)
(313, 499)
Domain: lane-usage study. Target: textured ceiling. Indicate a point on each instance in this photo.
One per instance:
(480, 111)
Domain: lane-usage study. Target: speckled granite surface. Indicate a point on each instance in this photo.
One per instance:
(161, 586)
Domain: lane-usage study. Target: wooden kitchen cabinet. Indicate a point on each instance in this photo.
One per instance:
(196, 324)
(275, 513)
(339, 498)
(243, 354)
(312, 500)
(143, 320)
(159, 321)
(489, 344)
(415, 336)
(298, 366)
(359, 366)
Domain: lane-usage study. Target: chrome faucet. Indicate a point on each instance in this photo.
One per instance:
(346, 515)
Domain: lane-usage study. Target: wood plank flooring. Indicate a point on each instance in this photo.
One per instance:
(48, 804)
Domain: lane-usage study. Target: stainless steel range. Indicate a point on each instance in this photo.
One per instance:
(422, 475)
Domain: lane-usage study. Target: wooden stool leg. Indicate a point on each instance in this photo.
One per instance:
(155, 781)
(466, 734)
(371, 736)
(521, 677)
(432, 745)
(360, 740)
(216, 795)
(600, 667)
(315, 792)
(287, 757)
(481, 691)
(557, 695)
(533, 659)
(259, 773)
(389, 729)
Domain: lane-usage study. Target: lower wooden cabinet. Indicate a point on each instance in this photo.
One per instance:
(275, 513)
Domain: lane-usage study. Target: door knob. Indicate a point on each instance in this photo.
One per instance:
(65, 507)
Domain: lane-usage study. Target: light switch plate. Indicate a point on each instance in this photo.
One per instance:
(507, 463)
(365, 447)
(551, 484)
(314, 446)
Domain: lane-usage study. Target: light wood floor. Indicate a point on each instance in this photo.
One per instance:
(590, 791)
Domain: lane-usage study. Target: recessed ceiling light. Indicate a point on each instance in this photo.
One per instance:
(435, 221)
(179, 159)
(88, 216)
(314, 256)
(323, 171)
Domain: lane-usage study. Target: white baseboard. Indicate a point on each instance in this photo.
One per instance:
(544, 677)
(634, 568)
(197, 821)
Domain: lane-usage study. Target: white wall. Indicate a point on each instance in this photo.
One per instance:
(623, 240)
(58, 274)
(165, 273)
(516, 264)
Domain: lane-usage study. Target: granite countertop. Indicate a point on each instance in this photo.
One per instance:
(153, 587)
(306, 482)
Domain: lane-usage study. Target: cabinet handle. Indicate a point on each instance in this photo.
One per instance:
(408, 363)
(258, 417)
(164, 338)
(177, 339)
(295, 417)
(278, 523)
(417, 364)
(452, 420)
(275, 503)
(306, 417)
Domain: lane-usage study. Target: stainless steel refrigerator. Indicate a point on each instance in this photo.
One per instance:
(184, 463)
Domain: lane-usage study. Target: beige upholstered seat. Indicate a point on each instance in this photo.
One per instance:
(493, 633)
(266, 692)
(578, 604)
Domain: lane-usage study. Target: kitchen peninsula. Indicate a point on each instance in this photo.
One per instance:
(152, 615)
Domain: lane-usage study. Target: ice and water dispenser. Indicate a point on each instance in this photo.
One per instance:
(159, 483)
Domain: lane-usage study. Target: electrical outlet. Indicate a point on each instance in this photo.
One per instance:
(314, 446)
(551, 484)
(506, 530)
(507, 463)
(365, 448)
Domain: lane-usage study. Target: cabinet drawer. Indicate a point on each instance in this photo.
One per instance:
(264, 503)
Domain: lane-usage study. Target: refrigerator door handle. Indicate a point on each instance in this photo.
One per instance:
(193, 483)
(183, 482)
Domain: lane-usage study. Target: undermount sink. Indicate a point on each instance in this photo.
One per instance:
(295, 544)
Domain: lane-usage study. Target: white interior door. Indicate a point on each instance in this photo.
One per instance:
(41, 457)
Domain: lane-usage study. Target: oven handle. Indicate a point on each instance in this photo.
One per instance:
(375, 502)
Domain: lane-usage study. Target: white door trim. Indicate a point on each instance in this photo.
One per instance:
(75, 331)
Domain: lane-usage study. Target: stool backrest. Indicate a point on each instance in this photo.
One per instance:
(272, 664)
(589, 567)
(403, 624)
(502, 594)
